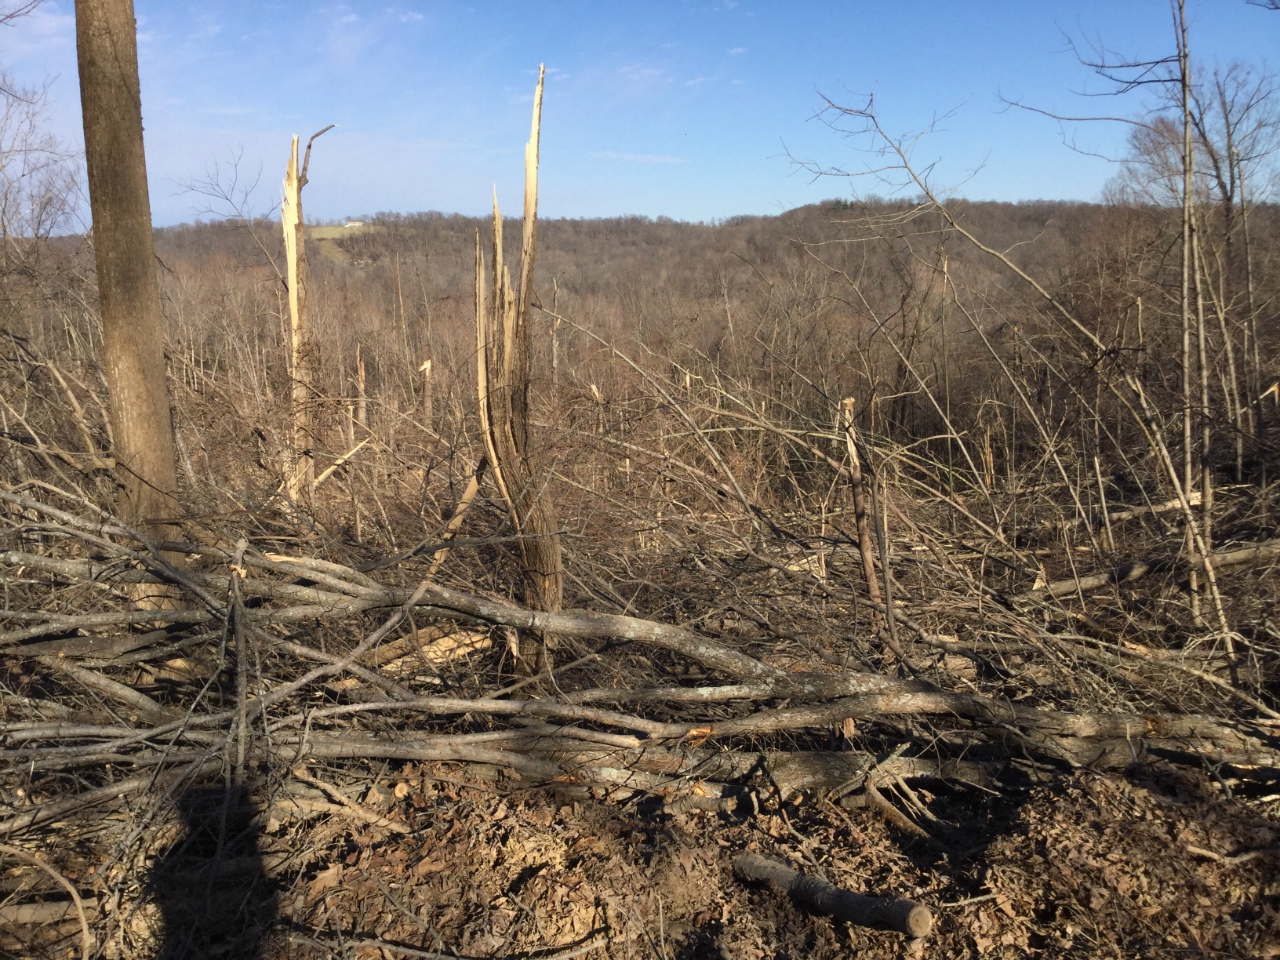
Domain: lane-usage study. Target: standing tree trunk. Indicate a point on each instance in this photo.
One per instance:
(128, 291)
(362, 398)
(1188, 264)
(849, 427)
(503, 335)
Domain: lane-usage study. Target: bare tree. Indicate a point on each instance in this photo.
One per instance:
(132, 324)
(9, 14)
(37, 178)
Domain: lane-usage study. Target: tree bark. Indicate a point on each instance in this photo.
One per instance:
(128, 291)
(905, 916)
(1245, 556)
(859, 499)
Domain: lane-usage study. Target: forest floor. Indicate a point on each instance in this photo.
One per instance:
(1086, 866)
(1155, 864)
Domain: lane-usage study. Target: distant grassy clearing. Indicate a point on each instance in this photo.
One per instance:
(337, 233)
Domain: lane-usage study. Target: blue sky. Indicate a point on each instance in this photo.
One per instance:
(685, 108)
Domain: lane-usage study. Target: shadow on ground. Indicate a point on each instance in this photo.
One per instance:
(213, 893)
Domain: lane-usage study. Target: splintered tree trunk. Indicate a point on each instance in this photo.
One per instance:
(362, 398)
(302, 468)
(428, 412)
(302, 355)
(503, 335)
(860, 502)
(128, 292)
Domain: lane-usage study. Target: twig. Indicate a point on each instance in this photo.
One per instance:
(357, 811)
(87, 944)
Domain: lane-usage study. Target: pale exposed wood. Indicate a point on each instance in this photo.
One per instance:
(301, 468)
(341, 462)
(459, 514)
(440, 651)
(300, 471)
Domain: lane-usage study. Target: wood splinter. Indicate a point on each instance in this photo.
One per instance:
(893, 913)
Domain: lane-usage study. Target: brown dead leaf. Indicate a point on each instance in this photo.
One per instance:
(686, 858)
(326, 879)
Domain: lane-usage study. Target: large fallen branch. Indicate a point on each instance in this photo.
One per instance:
(895, 913)
(1136, 570)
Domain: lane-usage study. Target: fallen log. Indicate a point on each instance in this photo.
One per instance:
(1194, 499)
(141, 705)
(1128, 572)
(895, 913)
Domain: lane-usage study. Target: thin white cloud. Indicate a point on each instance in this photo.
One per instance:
(642, 158)
(413, 17)
(696, 81)
(645, 76)
(736, 51)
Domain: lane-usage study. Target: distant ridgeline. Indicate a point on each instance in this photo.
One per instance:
(590, 251)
